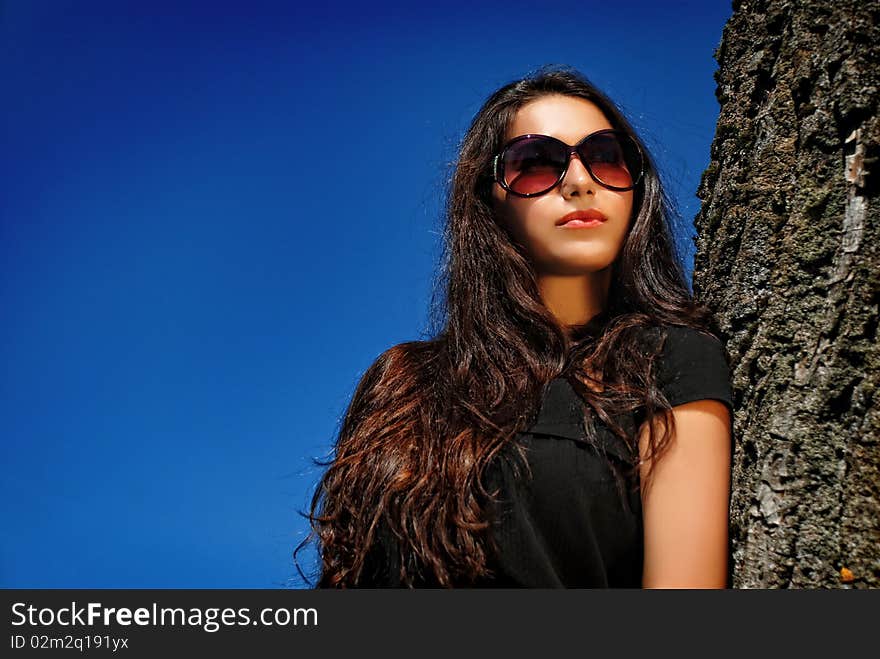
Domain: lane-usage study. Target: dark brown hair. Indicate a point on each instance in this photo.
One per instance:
(428, 416)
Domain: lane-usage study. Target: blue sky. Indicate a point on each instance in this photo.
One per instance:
(213, 221)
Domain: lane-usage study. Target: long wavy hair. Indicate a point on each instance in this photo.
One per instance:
(427, 417)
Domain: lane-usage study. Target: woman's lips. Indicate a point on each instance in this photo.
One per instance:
(581, 219)
(581, 224)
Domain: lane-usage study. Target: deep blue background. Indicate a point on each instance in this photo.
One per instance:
(215, 216)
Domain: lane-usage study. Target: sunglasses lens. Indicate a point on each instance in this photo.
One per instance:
(614, 159)
(533, 165)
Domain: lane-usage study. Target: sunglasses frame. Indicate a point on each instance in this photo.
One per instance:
(498, 162)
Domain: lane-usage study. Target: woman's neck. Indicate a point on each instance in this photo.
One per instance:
(575, 299)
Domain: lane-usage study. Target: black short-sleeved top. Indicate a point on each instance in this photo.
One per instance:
(570, 525)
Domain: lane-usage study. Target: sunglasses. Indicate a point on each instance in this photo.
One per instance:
(531, 165)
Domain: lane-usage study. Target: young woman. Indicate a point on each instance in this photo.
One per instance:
(570, 425)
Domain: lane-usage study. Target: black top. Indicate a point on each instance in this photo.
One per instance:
(570, 525)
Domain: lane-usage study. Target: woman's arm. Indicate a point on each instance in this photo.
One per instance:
(686, 502)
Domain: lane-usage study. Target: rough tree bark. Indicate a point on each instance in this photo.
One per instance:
(788, 255)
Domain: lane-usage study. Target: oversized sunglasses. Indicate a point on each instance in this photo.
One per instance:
(530, 165)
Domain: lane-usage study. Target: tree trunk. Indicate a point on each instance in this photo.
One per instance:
(788, 256)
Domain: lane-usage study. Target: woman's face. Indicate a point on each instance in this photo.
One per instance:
(533, 221)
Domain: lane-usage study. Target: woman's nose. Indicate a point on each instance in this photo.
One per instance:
(577, 179)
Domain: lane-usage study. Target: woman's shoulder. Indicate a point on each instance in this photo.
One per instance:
(684, 341)
(692, 364)
(398, 368)
(407, 356)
